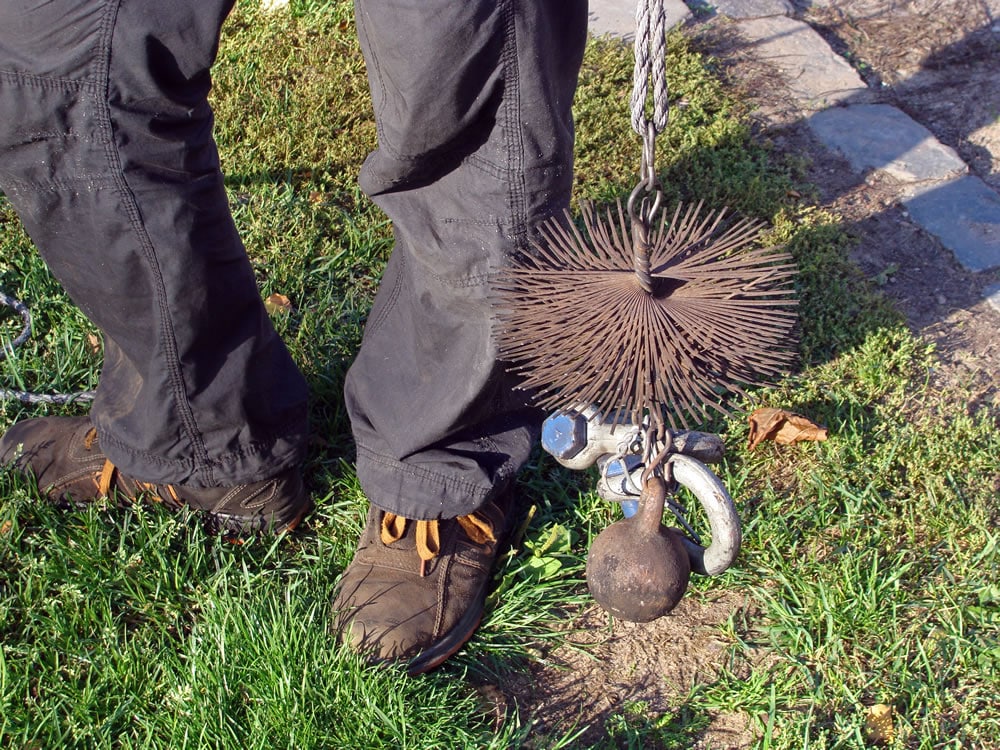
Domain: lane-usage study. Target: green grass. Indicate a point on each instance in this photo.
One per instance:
(870, 562)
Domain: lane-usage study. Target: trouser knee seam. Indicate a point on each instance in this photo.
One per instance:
(171, 358)
(393, 295)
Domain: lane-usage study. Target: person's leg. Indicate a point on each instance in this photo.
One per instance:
(473, 106)
(475, 146)
(107, 154)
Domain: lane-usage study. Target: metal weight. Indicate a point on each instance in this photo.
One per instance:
(637, 568)
(579, 438)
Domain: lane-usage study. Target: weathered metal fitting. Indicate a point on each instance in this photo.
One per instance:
(564, 434)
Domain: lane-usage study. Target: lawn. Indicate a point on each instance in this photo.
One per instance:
(870, 562)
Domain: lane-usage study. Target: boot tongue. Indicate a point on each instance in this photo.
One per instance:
(427, 536)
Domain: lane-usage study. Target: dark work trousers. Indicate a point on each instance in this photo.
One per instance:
(106, 153)
(475, 146)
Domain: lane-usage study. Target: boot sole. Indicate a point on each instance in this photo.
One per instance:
(233, 528)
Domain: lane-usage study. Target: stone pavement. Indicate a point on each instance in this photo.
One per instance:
(934, 184)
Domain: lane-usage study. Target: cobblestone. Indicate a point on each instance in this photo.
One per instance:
(962, 211)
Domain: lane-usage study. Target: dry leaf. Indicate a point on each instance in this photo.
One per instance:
(783, 427)
(878, 724)
(6, 526)
(93, 343)
(278, 303)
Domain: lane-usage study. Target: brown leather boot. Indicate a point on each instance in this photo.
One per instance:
(63, 455)
(415, 589)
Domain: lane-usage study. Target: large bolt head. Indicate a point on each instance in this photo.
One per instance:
(564, 434)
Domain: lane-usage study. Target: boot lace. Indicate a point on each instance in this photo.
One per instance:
(109, 472)
(427, 534)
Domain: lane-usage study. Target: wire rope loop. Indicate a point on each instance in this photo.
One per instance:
(26, 397)
(21, 309)
(650, 51)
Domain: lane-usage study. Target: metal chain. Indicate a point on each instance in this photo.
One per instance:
(26, 397)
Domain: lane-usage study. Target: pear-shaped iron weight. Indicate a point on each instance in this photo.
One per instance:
(637, 568)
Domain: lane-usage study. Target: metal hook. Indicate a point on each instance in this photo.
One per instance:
(647, 179)
(658, 462)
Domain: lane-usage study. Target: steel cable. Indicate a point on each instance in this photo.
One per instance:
(7, 350)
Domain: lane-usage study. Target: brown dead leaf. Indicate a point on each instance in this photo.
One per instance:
(879, 728)
(6, 526)
(278, 303)
(93, 343)
(783, 427)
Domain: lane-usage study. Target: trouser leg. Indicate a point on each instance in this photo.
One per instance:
(475, 137)
(107, 154)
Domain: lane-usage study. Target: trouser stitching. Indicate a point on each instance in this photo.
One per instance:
(171, 359)
(255, 448)
(71, 183)
(55, 83)
(393, 295)
(516, 190)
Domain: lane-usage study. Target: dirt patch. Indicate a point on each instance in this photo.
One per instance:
(609, 669)
(936, 60)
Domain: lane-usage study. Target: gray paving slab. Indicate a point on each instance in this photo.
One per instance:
(962, 211)
(965, 215)
(992, 295)
(749, 8)
(617, 17)
(816, 76)
(879, 137)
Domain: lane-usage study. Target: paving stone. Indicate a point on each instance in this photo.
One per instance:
(749, 8)
(987, 161)
(883, 138)
(965, 215)
(816, 76)
(992, 295)
(617, 17)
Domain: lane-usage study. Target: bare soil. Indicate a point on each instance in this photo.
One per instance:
(937, 60)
